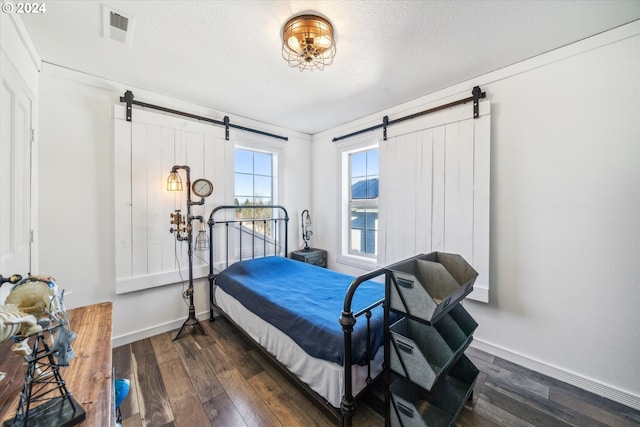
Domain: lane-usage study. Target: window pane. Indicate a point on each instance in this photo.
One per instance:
(243, 161)
(262, 201)
(244, 200)
(370, 242)
(244, 185)
(363, 242)
(372, 187)
(359, 164)
(358, 188)
(262, 186)
(372, 162)
(356, 241)
(253, 184)
(357, 218)
(262, 164)
(371, 219)
(364, 225)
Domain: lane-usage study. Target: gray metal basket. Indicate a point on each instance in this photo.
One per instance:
(428, 286)
(411, 406)
(423, 353)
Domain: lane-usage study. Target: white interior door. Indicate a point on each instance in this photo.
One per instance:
(16, 134)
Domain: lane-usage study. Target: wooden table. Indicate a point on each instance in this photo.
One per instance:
(88, 376)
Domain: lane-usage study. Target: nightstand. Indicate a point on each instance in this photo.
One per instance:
(312, 256)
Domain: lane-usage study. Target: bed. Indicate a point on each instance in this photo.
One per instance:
(323, 329)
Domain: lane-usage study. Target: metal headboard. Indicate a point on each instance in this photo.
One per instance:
(278, 222)
(279, 219)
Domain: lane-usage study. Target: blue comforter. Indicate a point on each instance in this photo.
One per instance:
(305, 302)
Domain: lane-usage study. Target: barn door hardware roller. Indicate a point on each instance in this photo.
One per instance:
(476, 95)
(128, 100)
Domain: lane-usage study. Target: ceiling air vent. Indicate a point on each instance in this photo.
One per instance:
(117, 25)
(118, 21)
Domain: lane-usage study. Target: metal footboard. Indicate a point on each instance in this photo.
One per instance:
(348, 321)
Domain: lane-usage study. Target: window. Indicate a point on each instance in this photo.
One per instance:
(254, 186)
(253, 177)
(363, 203)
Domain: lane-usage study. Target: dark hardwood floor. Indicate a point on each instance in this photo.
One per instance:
(222, 380)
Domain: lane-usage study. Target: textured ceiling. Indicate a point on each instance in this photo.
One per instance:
(226, 55)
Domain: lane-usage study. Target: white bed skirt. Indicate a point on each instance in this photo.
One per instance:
(324, 377)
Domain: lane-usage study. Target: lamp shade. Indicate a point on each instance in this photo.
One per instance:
(174, 182)
(308, 42)
(202, 239)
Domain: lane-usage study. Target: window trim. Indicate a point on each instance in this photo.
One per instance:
(344, 149)
(365, 203)
(253, 175)
(263, 145)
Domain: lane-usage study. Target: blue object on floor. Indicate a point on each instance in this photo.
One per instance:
(122, 386)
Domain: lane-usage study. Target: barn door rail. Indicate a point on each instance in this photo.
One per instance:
(128, 99)
(476, 95)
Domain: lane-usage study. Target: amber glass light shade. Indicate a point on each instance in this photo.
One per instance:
(174, 182)
(308, 42)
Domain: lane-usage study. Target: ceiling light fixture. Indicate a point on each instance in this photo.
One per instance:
(308, 42)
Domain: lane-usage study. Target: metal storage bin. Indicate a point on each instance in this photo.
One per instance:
(429, 285)
(453, 392)
(418, 352)
(457, 328)
(414, 407)
(422, 353)
(409, 409)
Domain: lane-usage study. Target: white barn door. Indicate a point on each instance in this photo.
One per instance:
(145, 150)
(434, 194)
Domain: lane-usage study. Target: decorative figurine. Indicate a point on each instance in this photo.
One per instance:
(35, 310)
(15, 322)
(36, 295)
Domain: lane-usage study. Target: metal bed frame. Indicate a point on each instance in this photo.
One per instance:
(279, 220)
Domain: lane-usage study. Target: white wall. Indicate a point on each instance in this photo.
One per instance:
(76, 196)
(565, 211)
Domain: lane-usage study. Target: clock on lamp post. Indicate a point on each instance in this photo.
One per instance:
(202, 187)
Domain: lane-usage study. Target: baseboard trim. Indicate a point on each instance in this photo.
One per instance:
(155, 330)
(587, 384)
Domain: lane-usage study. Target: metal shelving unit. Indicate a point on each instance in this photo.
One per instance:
(428, 376)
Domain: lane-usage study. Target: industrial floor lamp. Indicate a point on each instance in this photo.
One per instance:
(184, 231)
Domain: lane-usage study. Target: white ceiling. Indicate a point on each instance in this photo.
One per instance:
(226, 55)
